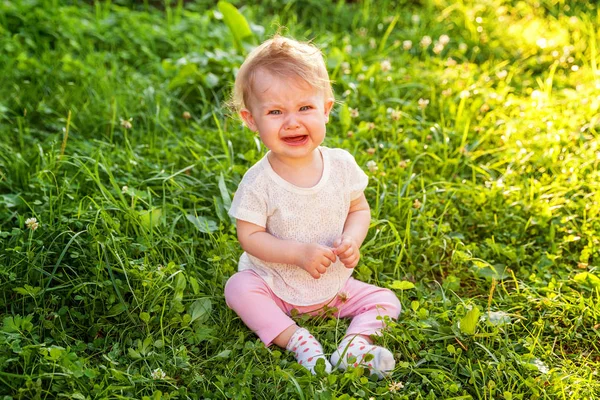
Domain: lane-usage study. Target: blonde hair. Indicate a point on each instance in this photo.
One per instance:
(282, 57)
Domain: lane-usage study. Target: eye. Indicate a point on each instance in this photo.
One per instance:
(305, 108)
(274, 112)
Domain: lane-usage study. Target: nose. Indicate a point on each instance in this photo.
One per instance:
(292, 123)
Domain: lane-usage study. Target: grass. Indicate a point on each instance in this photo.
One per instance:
(483, 159)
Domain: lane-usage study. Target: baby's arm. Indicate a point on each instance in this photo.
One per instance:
(311, 257)
(355, 231)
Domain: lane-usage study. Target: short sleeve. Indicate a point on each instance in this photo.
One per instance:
(248, 205)
(357, 180)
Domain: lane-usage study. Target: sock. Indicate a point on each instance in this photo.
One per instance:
(307, 350)
(353, 350)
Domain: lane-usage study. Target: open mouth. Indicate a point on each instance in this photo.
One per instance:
(296, 140)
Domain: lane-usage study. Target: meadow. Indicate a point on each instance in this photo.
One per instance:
(476, 121)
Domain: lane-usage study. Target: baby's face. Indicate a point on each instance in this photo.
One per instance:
(289, 115)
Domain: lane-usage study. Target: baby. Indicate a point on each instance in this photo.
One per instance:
(302, 215)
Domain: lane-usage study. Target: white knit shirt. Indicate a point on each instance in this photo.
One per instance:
(308, 215)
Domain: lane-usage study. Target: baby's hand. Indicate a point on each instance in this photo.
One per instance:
(315, 259)
(347, 250)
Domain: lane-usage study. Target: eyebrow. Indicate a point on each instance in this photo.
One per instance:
(278, 105)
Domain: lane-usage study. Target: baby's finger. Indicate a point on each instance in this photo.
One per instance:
(331, 255)
(315, 274)
(353, 259)
(337, 242)
(322, 269)
(349, 252)
(343, 246)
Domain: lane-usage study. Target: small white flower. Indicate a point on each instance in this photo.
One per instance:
(395, 386)
(539, 364)
(396, 115)
(372, 43)
(158, 374)
(444, 40)
(32, 223)
(126, 123)
(372, 166)
(385, 66)
(407, 44)
(463, 47)
(415, 19)
(501, 74)
(353, 112)
(423, 103)
(187, 115)
(438, 47)
(464, 94)
(124, 189)
(361, 77)
(425, 41)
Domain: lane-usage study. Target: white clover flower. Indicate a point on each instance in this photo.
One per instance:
(372, 166)
(407, 44)
(444, 40)
(501, 74)
(395, 386)
(463, 47)
(187, 115)
(396, 115)
(126, 123)
(539, 364)
(464, 94)
(423, 103)
(125, 189)
(361, 77)
(415, 19)
(438, 47)
(425, 41)
(446, 92)
(353, 112)
(32, 223)
(450, 62)
(158, 374)
(348, 48)
(385, 65)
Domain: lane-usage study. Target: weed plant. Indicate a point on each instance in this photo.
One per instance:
(477, 122)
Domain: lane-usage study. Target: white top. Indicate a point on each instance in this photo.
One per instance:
(309, 215)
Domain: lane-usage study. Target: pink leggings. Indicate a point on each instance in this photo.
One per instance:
(263, 312)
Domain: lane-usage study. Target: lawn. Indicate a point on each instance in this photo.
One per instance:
(476, 121)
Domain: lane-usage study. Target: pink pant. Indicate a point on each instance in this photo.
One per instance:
(263, 312)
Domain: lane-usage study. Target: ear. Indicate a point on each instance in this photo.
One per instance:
(248, 119)
(328, 106)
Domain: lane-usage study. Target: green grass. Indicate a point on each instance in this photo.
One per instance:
(485, 197)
